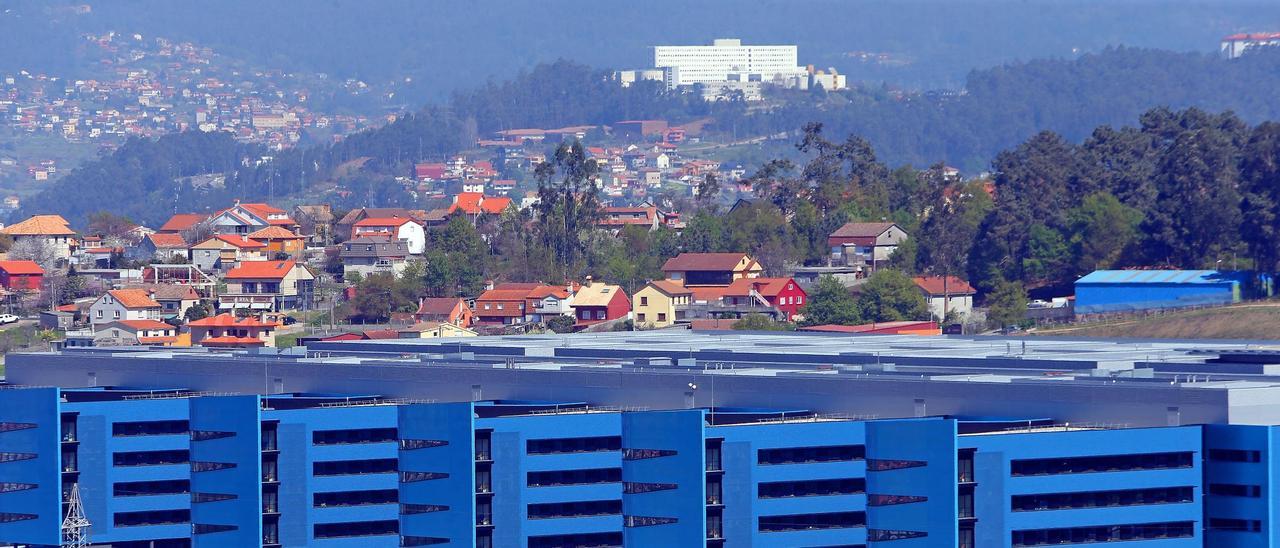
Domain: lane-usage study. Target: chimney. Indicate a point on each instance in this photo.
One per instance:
(488, 284)
(588, 284)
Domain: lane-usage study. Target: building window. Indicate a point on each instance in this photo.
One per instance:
(642, 454)
(1104, 533)
(349, 437)
(636, 488)
(1233, 524)
(803, 455)
(644, 301)
(411, 477)
(149, 428)
(117, 314)
(357, 529)
(1100, 499)
(662, 317)
(811, 488)
(640, 317)
(882, 535)
(205, 529)
(355, 498)
(150, 488)
(885, 465)
(354, 467)
(586, 476)
(802, 522)
(1235, 490)
(893, 500)
(579, 539)
(152, 517)
(1235, 455)
(575, 509)
(150, 458)
(573, 445)
(646, 521)
(1108, 463)
(200, 498)
(9, 517)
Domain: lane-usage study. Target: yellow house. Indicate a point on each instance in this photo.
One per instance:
(432, 330)
(661, 303)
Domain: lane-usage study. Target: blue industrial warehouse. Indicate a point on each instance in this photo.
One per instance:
(1107, 291)
(647, 439)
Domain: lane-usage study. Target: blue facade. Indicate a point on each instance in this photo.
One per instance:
(325, 470)
(1106, 291)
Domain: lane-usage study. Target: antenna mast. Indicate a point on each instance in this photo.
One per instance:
(75, 527)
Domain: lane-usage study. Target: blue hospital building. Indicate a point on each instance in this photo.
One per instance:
(648, 439)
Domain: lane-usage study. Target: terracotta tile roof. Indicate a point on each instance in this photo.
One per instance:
(157, 340)
(40, 225)
(21, 267)
(133, 298)
(769, 287)
(229, 320)
(696, 262)
(227, 340)
(381, 334)
(474, 203)
(438, 306)
(384, 221)
(168, 292)
(597, 294)
(274, 233)
(526, 286)
(241, 242)
(151, 325)
(275, 270)
(670, 288)
(933, 285)
(167, 240)
(503, 295)
(182, 221)
(856, 230)
(544, 291)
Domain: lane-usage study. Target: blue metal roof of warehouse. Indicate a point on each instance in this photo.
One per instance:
(1159, 277)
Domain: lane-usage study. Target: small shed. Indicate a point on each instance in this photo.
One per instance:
(1111, 291)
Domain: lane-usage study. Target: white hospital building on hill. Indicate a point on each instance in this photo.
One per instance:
(727, 66)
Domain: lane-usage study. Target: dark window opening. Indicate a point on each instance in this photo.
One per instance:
(357, 529)
(152, 517)
(585, 476)
(1104, 533)
(575, 509)
(812, 488)
(151, 458)
(348, 437)
(801, 455)
(149, 428)
(573, 445)
(1107, 463)
(355, 498)
(354, 467)
(1102, 499)
(803, 522)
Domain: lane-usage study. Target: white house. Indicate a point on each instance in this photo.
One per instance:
(124, 304)
(402, 228)
(946, 295)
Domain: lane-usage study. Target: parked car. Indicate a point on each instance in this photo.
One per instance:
(8, 318)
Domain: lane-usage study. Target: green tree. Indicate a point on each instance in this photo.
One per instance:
(561, 324)
(1047, 255)
(1260, 177)
(1102, 231)
(890, 296)
(830, 302)
(704, 233)
(568, 206)
(1007, 305)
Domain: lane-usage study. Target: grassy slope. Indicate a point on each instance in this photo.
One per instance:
(1251, 321)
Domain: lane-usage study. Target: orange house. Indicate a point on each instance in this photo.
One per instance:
(279, 240)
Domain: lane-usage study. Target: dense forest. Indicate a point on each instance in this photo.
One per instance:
(1001, 108)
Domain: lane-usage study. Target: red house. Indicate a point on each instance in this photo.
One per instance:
(503, 305)
(597, 302)
(781, 293)
(21, 275)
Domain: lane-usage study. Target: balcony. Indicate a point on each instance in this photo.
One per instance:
(484, 520)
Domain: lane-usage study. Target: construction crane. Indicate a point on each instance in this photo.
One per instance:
(75, 526)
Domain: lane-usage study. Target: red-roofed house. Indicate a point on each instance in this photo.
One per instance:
(711, 269)
(501, 306)
(250, 217)
(135, 332)
(865, 245)
(227, 331)
(160, 246)
(267, 285)
(782, 294)
(429, 171)
(946, 294)
(181, 222)
(597, 302)
(124, 304)
(545, 302)
(21, 275)
(452, 310)
(399, 228)
(618, 217)
(475, 204)
(662, 303)
(224, 251)
(279, 239)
